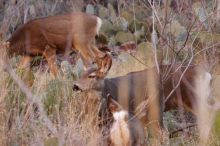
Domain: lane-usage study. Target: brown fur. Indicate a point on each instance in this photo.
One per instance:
(131, 90)
(56, 34)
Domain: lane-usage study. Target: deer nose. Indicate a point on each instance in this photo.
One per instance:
(76, 88)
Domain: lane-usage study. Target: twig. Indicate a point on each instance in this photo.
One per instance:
(54, 7)
(187, 37)
(190, 61)
(165, 17)
(154, 40)
(26, 9)
(155, 13)
(181, 129)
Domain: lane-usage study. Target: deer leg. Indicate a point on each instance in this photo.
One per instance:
(50, 55)
(85, 63)
(97, 52)
(87, 55)
(25, 62)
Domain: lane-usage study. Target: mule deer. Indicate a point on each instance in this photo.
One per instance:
(130, 90)
(58, 34)
(126, 129)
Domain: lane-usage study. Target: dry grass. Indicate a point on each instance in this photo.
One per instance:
(21, 119)
(75, 124)
(21, 122)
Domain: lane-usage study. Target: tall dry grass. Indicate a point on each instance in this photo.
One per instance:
(22, 124)
(75, 122)
(51, 115)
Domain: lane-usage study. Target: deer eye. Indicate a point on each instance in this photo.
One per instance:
(91, 76)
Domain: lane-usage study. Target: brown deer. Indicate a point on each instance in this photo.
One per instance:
(59, 34)
(130, 90)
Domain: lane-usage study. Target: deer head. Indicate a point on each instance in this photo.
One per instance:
(88, 81)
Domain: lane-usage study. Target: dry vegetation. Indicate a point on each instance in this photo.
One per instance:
(39, 110)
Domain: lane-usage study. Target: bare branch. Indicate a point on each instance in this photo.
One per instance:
(181, 129)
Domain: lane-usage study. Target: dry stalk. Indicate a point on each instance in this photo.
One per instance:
(32, 99)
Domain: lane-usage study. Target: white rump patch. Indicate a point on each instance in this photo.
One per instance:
(99, 24)
(120, 133)
(118, 116)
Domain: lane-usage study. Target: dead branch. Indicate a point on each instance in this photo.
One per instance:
(171, 135)
(177, 85)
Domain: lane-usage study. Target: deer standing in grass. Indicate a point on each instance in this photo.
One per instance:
(131, 92)
(59, 34)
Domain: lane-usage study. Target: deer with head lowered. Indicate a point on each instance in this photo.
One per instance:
(59, 34)
(130, 91)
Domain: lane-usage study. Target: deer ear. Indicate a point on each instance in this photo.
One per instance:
(112, 106)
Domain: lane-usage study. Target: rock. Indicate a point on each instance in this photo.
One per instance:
(107, 13)
(103, 12)
(32, 11)
(127, 15)
(138, 25)
(112, 13)
(112, 41)
(178, 31)
(107, 27)
(135, 25)
(145, 53)
(78, 68)
(201, 12)
(142, 14)
(112, 2)
(175, 28)
(139, 34)
(122, 37)
(126, 63)
(120, 24)
(90, 9)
